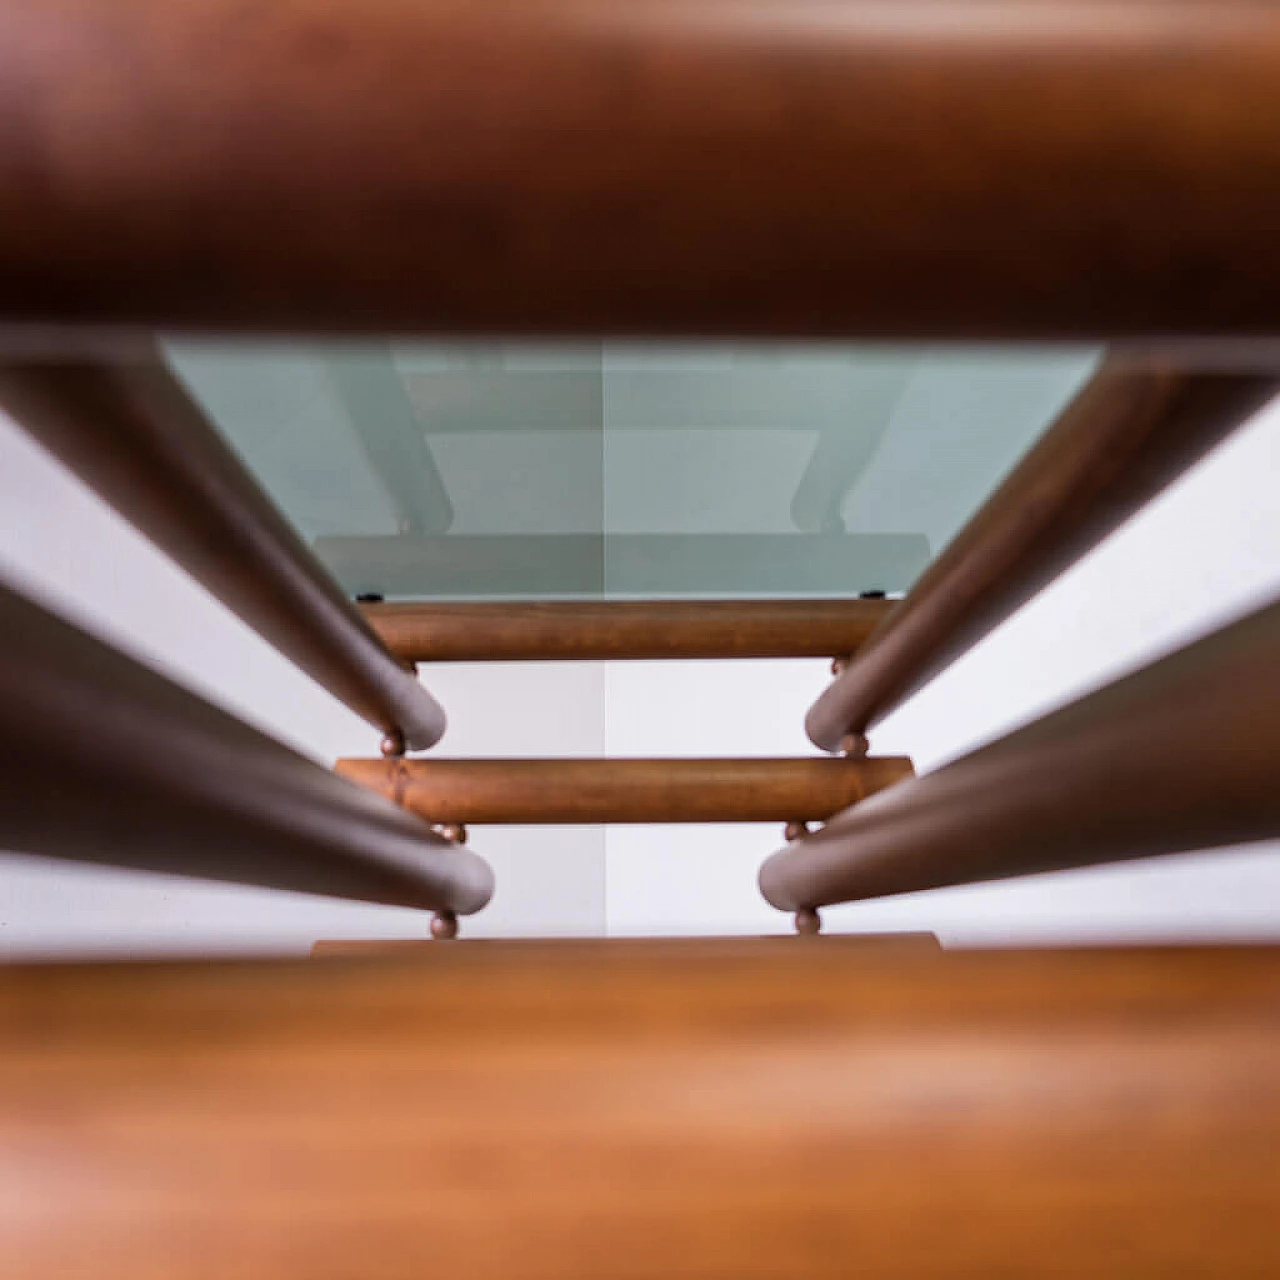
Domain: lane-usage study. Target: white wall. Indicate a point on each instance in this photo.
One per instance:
(66, 548)
(1207, 551)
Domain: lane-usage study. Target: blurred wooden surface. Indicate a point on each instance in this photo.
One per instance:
(616, 629)
(1026, 168)
(618, 789)
(737, 1108)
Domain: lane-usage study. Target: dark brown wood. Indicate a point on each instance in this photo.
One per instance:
(131, 432)
(625, 790)
(607, 629)
(797, 1107)
(103, 761)
(1131, 431)
(1181, 755)
(980, 168)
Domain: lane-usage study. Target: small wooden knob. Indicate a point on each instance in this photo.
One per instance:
(854, 745)
(444, 926)
(794, 830)
(808, 922)
(393, 744)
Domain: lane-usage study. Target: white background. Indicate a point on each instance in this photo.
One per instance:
(1207, 551)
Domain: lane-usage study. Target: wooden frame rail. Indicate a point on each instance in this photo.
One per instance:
(624, 629)
(626, 790)
(104, 761)
(1129, 433)
(770, 168)
(131, 432)
(753, 1108)
(1180, 755)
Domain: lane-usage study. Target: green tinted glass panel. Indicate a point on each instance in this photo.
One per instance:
(620, 470)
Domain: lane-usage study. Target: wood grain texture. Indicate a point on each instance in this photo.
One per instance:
(1180, 755)
(625, 790)
(777, 1107)
(624, 629)
(131, 432)
(104, 761)
(1129, 433)
(980, 168)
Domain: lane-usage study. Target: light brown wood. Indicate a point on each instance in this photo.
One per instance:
(1131, 431)
(625, 790)
(770, 1108)
(974, 168)
(608, 629)
(1180, 755)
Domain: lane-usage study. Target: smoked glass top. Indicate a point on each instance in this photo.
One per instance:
(627, 471)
